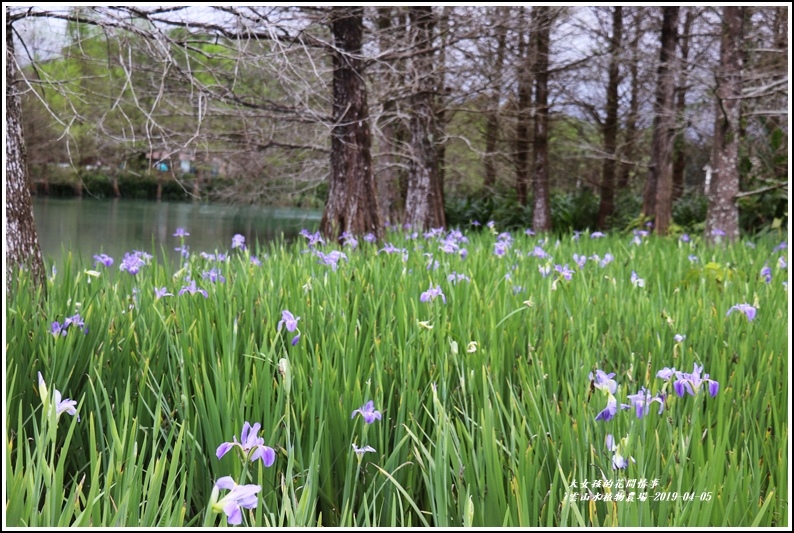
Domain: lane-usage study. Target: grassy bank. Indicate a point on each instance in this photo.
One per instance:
(481, 364)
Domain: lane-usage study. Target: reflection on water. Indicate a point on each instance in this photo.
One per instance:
(87, 227)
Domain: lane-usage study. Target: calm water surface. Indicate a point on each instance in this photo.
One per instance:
(115, 227)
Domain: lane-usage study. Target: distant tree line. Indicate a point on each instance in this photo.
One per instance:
(388, 113)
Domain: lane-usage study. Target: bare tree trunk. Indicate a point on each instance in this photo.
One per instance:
(492, 118)
(679, 162)
(723, 214)
(524, 114)
(541, 214)
(352, 201)
(22, 241)
(658, 199)
(630, 136)
(607, 206)
(388, 179)
(424, 206)
(441, 97)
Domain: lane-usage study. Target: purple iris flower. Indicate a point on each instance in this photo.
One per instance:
(238, 241)
(159, 293)
(331, 258)
(667, 373)
(57, 329)
(433, 233)
(431, 294)
(252, 447)
(475, 223)
(313, 238)
(766, 273)
(220, 257)
(618, 461)
(781, 263)
(609, 411)
(454, 278)
(183, 250)
(132, 263)
(192, 289)
(641, 402)
(240, 497)
(389, 248)
(693, 258)
(61, 406)
(685, 238)
(255, 261)
(368, 412)
(580, 260)
(566, 272)
(544, 270)
(287, 319)
(679, 338)
(449, 247)
(745, 308)
(362, 451)
(529, 232)
(691, 383)
(539, 252)
(349, 240)
(104, 259)
(717, 232)
(64, 406)
(295, 339)
(782, 246)
(370, 237)
(214, 275)
(457, 236)
(180, 232)
(500, 248)
(597, 235)
(636, 280)
(603, 381)
(77, 320)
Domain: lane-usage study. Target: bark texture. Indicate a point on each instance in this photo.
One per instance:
(611, 124)
(22, 242)
(541, 214)
(679, 163)
(424, 207)
(352, 204)
(524, 116)
(391, 130)
(658, 197)
(723, 213)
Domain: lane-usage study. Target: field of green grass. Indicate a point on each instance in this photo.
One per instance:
(627, 380)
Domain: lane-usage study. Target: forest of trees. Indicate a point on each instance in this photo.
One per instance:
(405, 114)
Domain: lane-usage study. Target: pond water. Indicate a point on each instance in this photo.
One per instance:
(86, 227)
